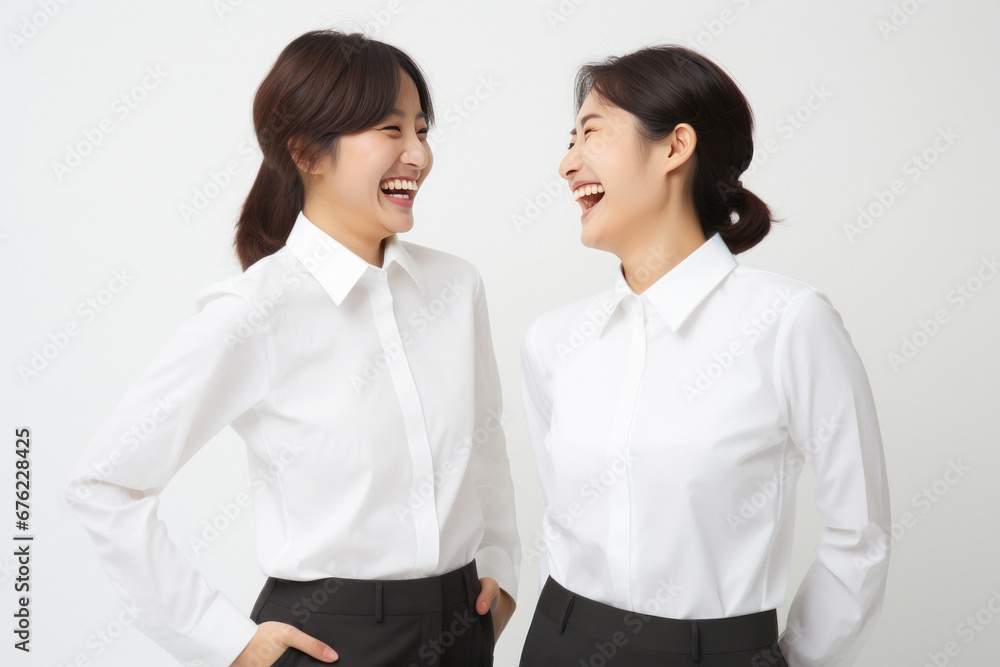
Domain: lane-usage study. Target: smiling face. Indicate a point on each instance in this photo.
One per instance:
(619, 188)
(370, 182)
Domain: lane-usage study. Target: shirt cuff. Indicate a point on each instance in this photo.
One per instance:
(494, 561)
(221, 635)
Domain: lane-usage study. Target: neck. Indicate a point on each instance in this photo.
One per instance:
(650, 256)
(355, 237)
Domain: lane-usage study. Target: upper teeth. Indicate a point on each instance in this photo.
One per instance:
(399, 184)
(585, 190)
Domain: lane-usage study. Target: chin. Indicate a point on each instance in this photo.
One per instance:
(399, 224)
(590, 237)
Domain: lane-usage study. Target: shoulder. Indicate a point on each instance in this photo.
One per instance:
(443, 270)
(565, 316)
(749, 280)
(434, 260)
(267, 280)
(806, 313)
(550, 328)
(792, 298)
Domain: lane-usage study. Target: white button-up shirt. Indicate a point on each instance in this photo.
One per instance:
(370, 404)
(669, 430)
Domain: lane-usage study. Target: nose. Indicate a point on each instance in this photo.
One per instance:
(569, 164)
(416, 153)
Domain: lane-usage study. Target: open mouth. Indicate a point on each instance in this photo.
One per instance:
(589, 195)
(399, 191)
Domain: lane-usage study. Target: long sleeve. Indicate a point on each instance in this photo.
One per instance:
(499, 553)
(538, 413)
(211, 371)
(830, 412)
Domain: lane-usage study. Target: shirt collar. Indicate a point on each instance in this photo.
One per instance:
(337, 268)
(679, 291)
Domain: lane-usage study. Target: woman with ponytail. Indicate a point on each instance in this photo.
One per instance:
(671, 414)
(359, 370)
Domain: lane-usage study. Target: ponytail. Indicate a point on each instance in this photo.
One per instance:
(268, 214)
(753, 220)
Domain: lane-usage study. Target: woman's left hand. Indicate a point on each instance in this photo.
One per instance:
(503, 604)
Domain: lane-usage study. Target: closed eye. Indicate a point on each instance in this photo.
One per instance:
(396, 129)
(571, 144)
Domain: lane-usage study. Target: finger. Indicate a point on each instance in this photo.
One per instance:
(491, 589)
(308, 644)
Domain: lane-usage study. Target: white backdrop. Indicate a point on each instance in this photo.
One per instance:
(876, 138)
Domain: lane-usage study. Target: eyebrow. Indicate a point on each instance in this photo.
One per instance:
(583, 121)
(396, 112)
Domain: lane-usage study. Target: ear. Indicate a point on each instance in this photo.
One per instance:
(677, 147)
(295, 145)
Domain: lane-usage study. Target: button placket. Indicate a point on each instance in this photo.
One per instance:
(620, 519)
(418, 443)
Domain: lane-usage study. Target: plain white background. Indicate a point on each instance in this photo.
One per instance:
(848, 97)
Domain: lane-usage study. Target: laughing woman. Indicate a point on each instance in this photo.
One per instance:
(671, 414)
(359, 370)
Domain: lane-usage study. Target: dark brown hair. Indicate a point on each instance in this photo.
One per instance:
(325, 83)
(662, 86)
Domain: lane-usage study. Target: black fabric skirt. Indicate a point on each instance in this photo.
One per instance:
(572, 630)
(428, 622)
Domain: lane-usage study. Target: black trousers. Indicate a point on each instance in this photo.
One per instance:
(574, 631)
(430, 622)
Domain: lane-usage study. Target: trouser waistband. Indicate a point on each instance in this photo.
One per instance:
(378, 597)
(656, 633)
